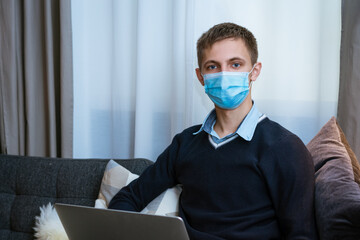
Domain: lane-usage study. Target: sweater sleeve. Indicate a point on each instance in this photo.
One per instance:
(152, 182)
(289, 173)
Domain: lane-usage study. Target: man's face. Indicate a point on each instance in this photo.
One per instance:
(230, 55)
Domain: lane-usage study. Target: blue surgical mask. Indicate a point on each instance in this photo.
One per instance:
(227, 89)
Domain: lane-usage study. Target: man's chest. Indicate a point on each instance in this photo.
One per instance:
(230, 171)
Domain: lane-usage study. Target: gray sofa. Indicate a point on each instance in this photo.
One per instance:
(27, 183)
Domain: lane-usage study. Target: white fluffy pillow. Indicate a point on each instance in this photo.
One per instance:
(116, 177)
(48, 225)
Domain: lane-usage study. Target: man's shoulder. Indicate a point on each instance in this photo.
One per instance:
(275, 134)
(190, 131)
(276, 142)
(188, 135)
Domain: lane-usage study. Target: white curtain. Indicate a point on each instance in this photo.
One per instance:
(134, 80)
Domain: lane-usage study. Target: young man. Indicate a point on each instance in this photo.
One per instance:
(243, 175)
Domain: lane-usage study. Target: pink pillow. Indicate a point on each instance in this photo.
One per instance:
(337, 192)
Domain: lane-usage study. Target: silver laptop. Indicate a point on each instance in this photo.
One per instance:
(92, 223)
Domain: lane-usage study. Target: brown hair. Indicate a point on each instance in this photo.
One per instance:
(223, 31)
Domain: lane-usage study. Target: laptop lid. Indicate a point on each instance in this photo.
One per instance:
(82, 222)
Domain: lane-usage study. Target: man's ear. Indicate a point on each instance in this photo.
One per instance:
(256, 71)
(199, 76)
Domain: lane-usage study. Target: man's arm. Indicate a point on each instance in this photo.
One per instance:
(289, 172)
(152, 182)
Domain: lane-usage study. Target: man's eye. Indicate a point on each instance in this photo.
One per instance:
(211, 67)
(236, 65)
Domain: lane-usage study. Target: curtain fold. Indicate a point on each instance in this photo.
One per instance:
(349, 89)
(132, 90)
(36, 78)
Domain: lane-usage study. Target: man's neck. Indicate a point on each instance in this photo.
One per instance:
(228, 121)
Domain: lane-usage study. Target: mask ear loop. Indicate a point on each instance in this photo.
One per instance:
(251, 82)
(252, 68)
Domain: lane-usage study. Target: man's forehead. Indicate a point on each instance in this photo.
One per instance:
(229, 48)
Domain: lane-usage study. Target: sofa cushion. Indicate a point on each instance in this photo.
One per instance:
(30, 182)
(337, 194)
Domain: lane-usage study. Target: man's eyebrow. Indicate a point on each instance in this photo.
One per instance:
(236, 58)
(210, 61)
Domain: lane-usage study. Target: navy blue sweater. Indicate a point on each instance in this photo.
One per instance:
(258, 189)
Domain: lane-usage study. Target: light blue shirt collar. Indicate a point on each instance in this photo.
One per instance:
(245, 130)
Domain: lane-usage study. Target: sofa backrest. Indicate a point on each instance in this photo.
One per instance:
(27, 183)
